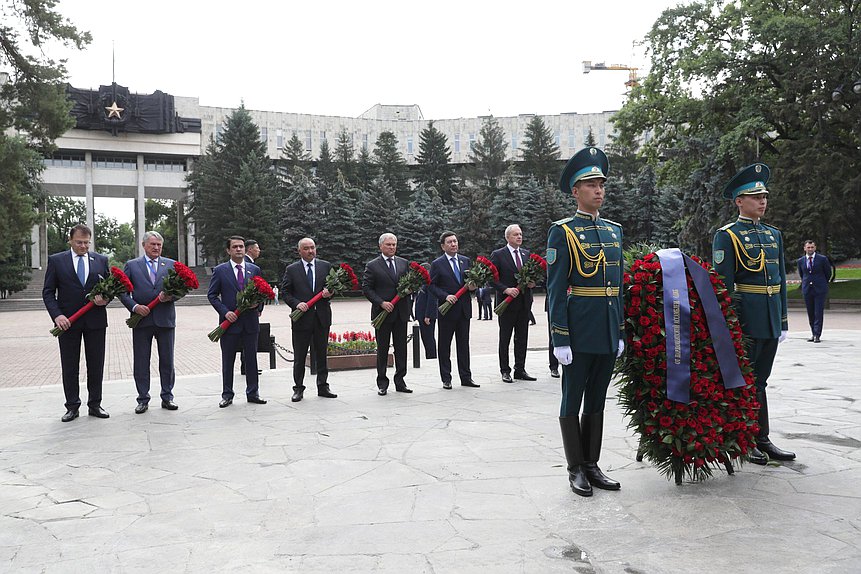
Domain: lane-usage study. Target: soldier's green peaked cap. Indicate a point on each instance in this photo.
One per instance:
(749, 181)
(588, 163)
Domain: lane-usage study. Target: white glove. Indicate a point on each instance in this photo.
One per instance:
(782, 337)
(563, 355)
(621, 348)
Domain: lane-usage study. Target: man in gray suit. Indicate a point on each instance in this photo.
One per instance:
(147, 274)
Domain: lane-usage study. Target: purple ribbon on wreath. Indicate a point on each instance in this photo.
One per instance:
(677, 323)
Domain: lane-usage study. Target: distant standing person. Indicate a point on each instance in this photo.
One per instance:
(815, 271)
(69, 277)
(426, 314)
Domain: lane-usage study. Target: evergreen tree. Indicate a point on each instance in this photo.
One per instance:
(338, 243)
(300, 213)
(294, 154)
(256, 201)
(379, 214)
(590, 138)
(327, 173)
(547, 205)
(421, 225)
(345, 156)
(510, 205)
(434, 162)
(393, 166)
(366, 171)
(488, 156)
(539, 152)
(470, 216)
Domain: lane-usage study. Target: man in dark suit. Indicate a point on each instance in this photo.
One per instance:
(302, 280)
(815, 272)
(228, 279)
(252, 252)
(69, 277)
(508, 261)
(447, 277)
(380, 285)
(426, 314)
(147, 274)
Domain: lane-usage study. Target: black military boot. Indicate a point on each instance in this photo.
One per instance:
(592, 427)
(574, 455)
(762, 442)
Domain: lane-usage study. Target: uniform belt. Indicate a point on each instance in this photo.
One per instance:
(760, 289)
(595, 291)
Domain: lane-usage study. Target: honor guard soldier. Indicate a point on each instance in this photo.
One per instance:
(749, 256)
(584, 278)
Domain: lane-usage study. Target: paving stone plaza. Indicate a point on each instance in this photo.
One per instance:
(439, 481)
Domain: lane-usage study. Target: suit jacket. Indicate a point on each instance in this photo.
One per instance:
(507, 268)
(378, 285)
(444, 283)
(426, 305)
(223, 293)
(62, 291)
(295, 290)
(163, 314)
(816, 280)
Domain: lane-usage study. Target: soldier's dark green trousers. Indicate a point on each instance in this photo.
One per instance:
(586, 381)
(761, 353)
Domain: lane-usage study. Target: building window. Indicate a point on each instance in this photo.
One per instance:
(279, 139)
(557, 139)
(219, 132)
(64, 160)
(456, 143)
(471, 141)
(112, 162)
(410, 145)
(323, 135)
(365, 142)
(166, 164)
(513, 142)
(308, 140)
(572, 139)
(602, 137)
(264, 135)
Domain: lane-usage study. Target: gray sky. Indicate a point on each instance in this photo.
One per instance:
(452, 58)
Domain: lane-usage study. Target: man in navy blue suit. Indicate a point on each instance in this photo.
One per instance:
(447, 277)
(147, 273)
(815, 271)
(426, 313)
(228, 279)
(69, 277)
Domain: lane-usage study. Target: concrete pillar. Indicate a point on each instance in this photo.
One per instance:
(90, 199)
(140, 208)
(35, 250)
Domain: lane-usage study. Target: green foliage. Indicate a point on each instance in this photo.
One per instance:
(327, 173)
(345, 156)
(546, 205)
(366, 170)
(336, 242)
(116, 240)
(421, 225)
(377, 209)
(392, 165)
(160, 216)
(301, 211)
(434, 161)
(20, 167)
(488, 155)
(62, 213)
(470, 216)
(511, 204)
(14, 274)
(539, 152)
(294, 153)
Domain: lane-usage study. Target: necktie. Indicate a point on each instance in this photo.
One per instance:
(152, 271)
(517, 259)
(240, 278)
(82, 274)
(392, 267)
(455, 268)
(810, 264)
(310, 275)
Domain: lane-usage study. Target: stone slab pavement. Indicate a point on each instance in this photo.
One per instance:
(436, 482)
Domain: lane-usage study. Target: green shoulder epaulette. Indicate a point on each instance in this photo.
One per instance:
(563, 221)
(727, 226)
(619, 225)
(776, 228)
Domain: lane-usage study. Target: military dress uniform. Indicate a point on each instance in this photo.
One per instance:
(586, 313)
(749, 256)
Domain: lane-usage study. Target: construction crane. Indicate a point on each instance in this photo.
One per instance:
(632, 72)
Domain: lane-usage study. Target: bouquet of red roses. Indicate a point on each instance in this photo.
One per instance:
(108, 287)
(476, 276)
(179, 281)
(338, 280)
(415, 278)
(256, 292)
(532, 270)
(717, 423)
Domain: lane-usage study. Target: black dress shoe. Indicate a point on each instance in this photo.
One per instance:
(256, 400)
(70, 415)
(403, 390)
(382, 392)
(326, 393)
(811, 339)
(430, 356)
(524, 376)
(816, 340)
(470, 383)
(98, 412)
(757, 457)
(141, 408)
(169, 405)
(446, 384)
(297, 396)
(225, 403)
(773, 452)
(506, 378)
(554, 373)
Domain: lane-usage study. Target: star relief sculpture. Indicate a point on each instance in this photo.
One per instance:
(114, 111)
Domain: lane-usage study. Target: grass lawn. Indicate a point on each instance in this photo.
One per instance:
(850, 288)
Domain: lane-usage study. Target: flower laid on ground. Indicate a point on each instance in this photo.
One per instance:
(108, 287)
(255, 293)
(339, 279)
(352, 343)
(718, 424)
(476, 276)
(414, 280)
(530, 273)
(179, 281)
